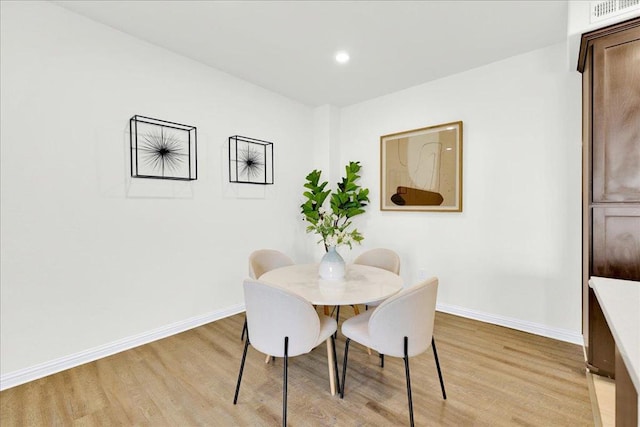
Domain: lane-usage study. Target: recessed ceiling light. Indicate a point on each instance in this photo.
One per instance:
(342, 57)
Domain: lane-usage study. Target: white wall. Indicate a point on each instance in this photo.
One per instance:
(90, 256)
(514, 251)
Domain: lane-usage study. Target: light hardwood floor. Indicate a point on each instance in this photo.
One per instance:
(494, 376)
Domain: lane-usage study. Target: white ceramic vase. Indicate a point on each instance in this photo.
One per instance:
(332, 265)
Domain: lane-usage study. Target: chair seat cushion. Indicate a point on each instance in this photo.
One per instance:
(357, 328)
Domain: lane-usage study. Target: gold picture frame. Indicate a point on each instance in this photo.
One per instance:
(421, 169)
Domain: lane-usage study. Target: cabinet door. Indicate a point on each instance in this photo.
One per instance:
(616, 117)
(616, 242)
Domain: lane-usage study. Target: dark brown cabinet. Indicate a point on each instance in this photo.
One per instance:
(610, 66)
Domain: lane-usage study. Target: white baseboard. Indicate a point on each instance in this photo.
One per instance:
(25, 375)
(520, 325)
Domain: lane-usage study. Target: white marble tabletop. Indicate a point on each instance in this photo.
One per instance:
(361, 285)
(620, 302)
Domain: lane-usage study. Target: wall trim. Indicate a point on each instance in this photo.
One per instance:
(520, 325)
(35, 372)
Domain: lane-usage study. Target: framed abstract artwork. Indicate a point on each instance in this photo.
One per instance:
(162, 149)
(250, 160)
(421, 169)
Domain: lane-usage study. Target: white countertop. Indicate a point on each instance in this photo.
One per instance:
(620, 302)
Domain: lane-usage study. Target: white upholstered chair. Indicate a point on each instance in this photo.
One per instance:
(283, 324)
(260, 262)
(264, 260)
(383, 258)
(401, 326)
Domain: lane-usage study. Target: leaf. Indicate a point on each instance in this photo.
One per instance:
(353, 212)
(321, 197)
(314, 176)
(308, 195)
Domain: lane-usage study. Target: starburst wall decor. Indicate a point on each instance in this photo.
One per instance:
(162, 149)
(250, 160)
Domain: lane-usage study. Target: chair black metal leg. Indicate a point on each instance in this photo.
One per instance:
(285, 379)
(244, 356)
(335, 334)
(382, 360)
(344, 366)
(406, 369)
(435, 356)
(335, 363)
(244, 329)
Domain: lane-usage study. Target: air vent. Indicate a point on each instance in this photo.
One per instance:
(601, 10)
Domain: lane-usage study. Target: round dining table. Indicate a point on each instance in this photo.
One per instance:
(361, 284)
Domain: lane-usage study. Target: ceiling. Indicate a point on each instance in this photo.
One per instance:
(288, 46)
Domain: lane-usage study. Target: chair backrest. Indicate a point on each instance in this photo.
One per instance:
(264, 260)
(381, 258)
(409, 313)
(274, 313)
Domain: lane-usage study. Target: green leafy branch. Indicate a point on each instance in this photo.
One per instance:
(347, 201)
